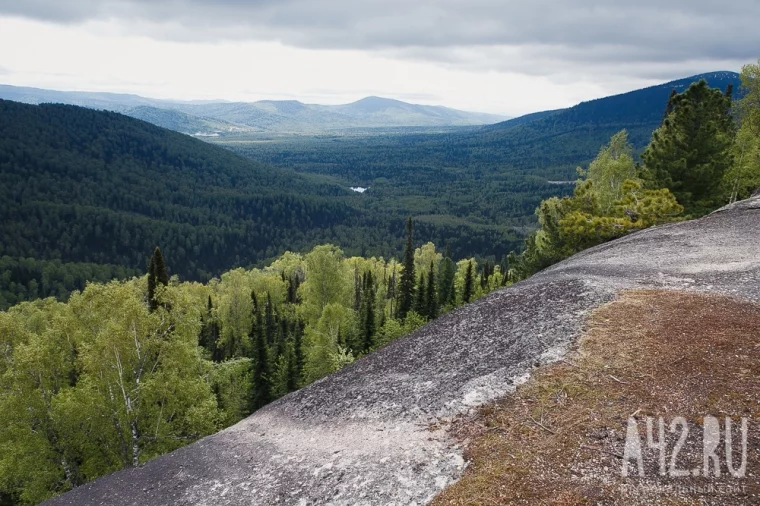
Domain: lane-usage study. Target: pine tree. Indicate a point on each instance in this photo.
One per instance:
(367, 313)
(293, 374)
(157, 274)
(286, 374)
(298, 331)
(420, 305)
(430, 298)
(282, 336)
(357, 287)
(504, 268)
(260, 374)
(209, 334)
(292, 296)
(690, 152)
(270, 322)
(468, 284)
(406, 284)
(446, 292)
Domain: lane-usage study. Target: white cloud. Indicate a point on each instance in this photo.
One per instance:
(91, 58)
(501, 56)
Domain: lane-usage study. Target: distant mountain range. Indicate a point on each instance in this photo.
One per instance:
(215, 119)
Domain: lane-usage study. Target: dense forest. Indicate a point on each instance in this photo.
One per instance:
(82, 188)
(127, 370)
(86, 191)
(501, 168)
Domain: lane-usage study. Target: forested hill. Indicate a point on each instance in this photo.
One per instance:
(570, 137)
(81, 186)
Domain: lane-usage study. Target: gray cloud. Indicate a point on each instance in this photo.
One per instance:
(647, 38)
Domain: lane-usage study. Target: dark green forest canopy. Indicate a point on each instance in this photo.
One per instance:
(491, 175)
(89, 187)
(87, 195)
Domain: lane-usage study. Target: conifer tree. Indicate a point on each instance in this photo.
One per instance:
(430, 297)
(209, 334)
(357, 287)
(270, 322)
(368, 313)
(157, 274)
(285, 375)
(292, 290)
(420, 305)
(504, 268)
(690, 152)
(282, 337)
(406, 284)
(260, 373)
(468, 284)
(293, 374)
(446, 292)
(298, 331)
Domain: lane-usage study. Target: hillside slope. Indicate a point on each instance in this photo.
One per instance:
(84, 188)
(80, 185)
(370, 434)
(570, 137)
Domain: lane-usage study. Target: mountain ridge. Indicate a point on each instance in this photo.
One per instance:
(218, 116)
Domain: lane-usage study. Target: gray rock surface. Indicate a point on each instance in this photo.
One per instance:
(363, 435)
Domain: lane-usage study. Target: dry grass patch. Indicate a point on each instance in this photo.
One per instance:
(559, 439)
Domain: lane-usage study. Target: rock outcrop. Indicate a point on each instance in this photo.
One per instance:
(368, 433)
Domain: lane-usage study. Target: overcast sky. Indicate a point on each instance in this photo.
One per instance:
(501, 56)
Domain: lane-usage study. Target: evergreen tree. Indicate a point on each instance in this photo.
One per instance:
(357, 287)
(504, 268)
(209, 334)
(291, 296)
(285, 374)
(420, 306)
(298, 331)
(446, 292)
(468, 284)
(157, 274)
(691, 151)
(293, 373)
(367, 313)
(270, 321)
(282, 336)
(260, 374)
(406, 285)
(431, 298)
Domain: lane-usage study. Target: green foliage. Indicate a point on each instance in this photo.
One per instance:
(469, 279)
(593, 215)
(446, 293)
(232, 386)
(406, 286)
(743, 177)
(691, 151)
(114, 377)
(607, 172)
(83, 188)
(98, 384)
(325, 283)
(260, 358)
(431, 297)
(157, 275)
